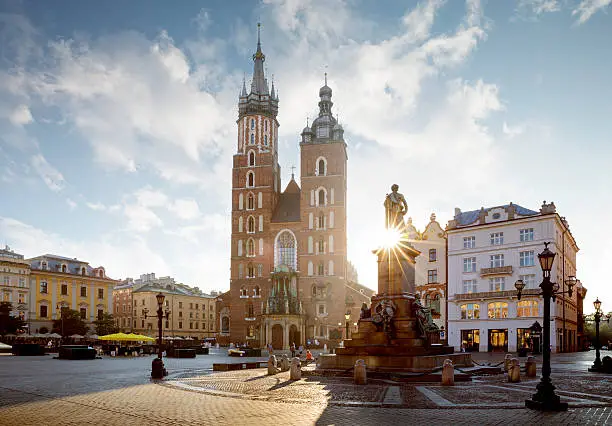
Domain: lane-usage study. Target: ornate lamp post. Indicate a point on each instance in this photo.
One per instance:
(545, 398)
(157, 366)
(347, 317)
(598, 316)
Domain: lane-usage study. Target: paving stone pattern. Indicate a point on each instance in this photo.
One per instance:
(42, 391)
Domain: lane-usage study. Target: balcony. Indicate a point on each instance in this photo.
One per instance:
(504, 294)
(498, 270)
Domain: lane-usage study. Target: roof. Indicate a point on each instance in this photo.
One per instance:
(467, 218)
(288, 207)
(163, 289)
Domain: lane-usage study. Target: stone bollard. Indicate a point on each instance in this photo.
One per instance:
(514, 374)
(507, 361)
(530, 366)
(296, 372)
(448, 373)
(359, 375)
(284, 363)
(272, 368)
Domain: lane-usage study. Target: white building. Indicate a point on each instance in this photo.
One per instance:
(488, 250)
(431, 267)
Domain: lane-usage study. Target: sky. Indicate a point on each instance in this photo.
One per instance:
(117, 120)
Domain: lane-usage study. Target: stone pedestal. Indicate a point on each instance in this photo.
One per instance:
(272, 368)
(360, 375)
(530, 366)
(389, 337)
(514, 373)
(507, 360)
(448, 373)
(284, 363)
(295, 373)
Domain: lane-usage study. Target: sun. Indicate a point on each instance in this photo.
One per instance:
(391, 238)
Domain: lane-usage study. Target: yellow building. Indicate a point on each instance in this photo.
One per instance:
(14, 277)
(58, 282)
(191, 313)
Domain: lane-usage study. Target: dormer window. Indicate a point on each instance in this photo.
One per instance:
(64, 268)
(101, 273)
(43, 265)
(83, 270)
(323, 132)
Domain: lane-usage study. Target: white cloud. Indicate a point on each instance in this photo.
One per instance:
(149, 197)
(50, 175)
(120, 258)
(538, 7)
(587, 8)
(21, 115)
(186, 209)
(96, 206)
(141, 218)
(512, 131)
(71, 203)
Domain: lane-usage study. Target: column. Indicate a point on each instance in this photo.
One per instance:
(52, 288)
(32, 300)
(74, 295)
(92, 301)
(286, 336)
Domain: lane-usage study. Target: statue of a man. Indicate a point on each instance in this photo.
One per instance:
(395, 209)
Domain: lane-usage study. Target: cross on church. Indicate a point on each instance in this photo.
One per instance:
(292, 170)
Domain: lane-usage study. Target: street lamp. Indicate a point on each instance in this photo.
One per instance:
(347, 317)
(598, 316)
(545, 398)
(61, 309)
(157, 366)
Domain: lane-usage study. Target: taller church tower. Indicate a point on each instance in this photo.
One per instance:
(323, 254)
(255, 193)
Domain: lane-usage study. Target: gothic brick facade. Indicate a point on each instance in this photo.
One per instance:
(288, 249)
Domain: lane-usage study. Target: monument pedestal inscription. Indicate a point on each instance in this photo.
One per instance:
(395, 331)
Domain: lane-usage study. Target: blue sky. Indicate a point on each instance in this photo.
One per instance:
(117, 119)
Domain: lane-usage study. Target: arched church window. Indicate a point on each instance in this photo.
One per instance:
(252, 124)
(321, 167)
(250, 179)
(225, 325)
(252, 139)
(251, 225)
(286, 250)
(266, 140)
(321, 221)
(321, 197)
(250, 271)
(321, 269)
(251, 158)
(250, 248)
(250, 202)
(321, 246)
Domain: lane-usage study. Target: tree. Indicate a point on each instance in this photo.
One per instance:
(8, 323)
(69, 323)
(105, 325)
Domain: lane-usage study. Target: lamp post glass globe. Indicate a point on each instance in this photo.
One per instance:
(519, 285)
(597, 305)
(546, 259)
(160, 298)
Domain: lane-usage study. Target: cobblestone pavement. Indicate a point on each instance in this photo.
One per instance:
(43, 391)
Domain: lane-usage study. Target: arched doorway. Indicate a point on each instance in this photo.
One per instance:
(277, 337)
(294, 335)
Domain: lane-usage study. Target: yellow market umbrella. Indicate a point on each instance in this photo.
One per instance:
(140, 337)
(116, 337)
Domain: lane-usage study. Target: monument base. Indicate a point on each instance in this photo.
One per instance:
(393, 363)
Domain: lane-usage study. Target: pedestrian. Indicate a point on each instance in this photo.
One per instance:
(292, 350)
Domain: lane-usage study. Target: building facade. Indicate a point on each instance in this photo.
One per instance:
(58, 282)
(15, 282)
(288, 248)
(192, 314)
(488, 250)
(430, 268)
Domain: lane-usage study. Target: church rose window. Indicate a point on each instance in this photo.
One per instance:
(285, 250)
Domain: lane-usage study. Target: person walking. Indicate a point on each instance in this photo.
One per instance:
(293, 350)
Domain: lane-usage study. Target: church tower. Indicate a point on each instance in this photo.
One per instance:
(323, 254)
(255, 193)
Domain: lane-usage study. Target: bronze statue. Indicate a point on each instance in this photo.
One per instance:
(395, 209)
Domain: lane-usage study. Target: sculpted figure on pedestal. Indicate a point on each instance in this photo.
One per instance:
(395, 209)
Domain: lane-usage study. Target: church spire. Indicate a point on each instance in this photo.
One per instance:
(258, 85)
